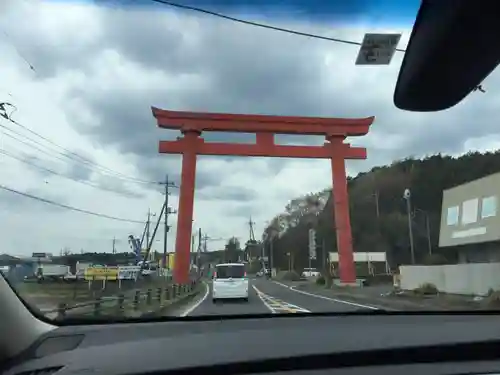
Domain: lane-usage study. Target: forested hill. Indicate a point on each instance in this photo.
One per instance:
(385, 228)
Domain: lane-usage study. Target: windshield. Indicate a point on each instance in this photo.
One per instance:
(148, 150)
(226, 272)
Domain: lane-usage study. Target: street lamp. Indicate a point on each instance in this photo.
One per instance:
(407, 197)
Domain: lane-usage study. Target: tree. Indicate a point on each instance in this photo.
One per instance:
(379, 220)
(232, 250)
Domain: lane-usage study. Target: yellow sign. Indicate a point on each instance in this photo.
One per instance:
(171, 258)
(101, 273)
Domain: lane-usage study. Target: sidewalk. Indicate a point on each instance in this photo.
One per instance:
(372, 296)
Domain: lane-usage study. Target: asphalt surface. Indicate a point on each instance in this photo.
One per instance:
(267, 296)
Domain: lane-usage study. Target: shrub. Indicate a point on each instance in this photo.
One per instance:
(492, 300)
(321, 280)
(427, 289)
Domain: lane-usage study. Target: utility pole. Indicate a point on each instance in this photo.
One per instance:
(205, 239)
(407, 196)
(148, 222)
(428, 225)
(251, 241)
(114, 248)
(198, 255)
(377, 207)
(168, 184)
(191, 250)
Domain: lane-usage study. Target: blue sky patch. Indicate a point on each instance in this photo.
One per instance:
(402, 12)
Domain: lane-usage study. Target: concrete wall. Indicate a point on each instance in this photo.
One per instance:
(469, 279)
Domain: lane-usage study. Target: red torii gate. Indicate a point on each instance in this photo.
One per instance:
(192, 124)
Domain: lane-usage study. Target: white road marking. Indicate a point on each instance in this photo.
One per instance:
(282, 304)
(295, 307)
(326, 298)
(198, 303)
(261, 297)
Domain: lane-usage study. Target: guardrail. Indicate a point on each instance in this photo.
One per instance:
(132, 304)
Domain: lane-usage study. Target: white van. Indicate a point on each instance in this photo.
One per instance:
(230, 282)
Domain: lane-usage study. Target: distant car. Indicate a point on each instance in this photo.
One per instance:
(310, 272)
(230, 282)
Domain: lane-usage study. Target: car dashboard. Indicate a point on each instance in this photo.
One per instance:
(299, 344)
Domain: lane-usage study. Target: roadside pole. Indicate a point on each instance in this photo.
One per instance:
(168, 184)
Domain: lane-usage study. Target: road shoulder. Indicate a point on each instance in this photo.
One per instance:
(326, 294)
(388, 301)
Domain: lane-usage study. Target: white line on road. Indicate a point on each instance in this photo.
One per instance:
(261, 297)
(298, 308)
(326, 298)
(198, 303)
(282, 304)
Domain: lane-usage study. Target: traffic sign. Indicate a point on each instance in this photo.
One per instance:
(377, 49)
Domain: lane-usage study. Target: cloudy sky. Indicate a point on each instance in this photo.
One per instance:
(83, 77)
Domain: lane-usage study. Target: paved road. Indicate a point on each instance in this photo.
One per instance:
(266, 297)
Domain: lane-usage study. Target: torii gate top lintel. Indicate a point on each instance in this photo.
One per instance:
(225, 122)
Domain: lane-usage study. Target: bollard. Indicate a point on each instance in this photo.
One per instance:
(137, 299)
(61, 310)
(120, 304)
(97, 307)
(158, 295)
(175, 288)
(149, 295)
(167, 293)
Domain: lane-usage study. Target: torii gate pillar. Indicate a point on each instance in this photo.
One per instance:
(265, 127)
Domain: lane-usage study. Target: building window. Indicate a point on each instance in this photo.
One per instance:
(452, 217)
(489, 207)
(470, 211)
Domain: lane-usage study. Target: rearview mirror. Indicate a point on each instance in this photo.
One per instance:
(453, 47)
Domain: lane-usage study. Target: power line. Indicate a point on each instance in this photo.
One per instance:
(61, 205)
(33, 146)
(19, 52)
(67, 153)
(257, 24)
(55, 156)
(83, 182)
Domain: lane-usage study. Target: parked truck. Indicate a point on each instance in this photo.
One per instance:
(52, 271)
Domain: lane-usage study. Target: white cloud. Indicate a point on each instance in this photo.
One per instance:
(98, 71)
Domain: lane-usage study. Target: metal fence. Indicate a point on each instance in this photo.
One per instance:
(133, 303)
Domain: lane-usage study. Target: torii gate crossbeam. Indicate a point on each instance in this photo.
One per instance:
(192, 125)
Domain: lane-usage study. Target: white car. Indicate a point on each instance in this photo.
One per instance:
(230, 282)
(310, 272)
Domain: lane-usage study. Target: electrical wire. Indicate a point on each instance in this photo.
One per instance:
(70, 154)
(83, 182)
(18, 51)
(262, 25)
(57, 157)
(61, 205)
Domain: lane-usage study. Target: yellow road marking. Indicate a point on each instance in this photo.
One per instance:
(276, 305)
